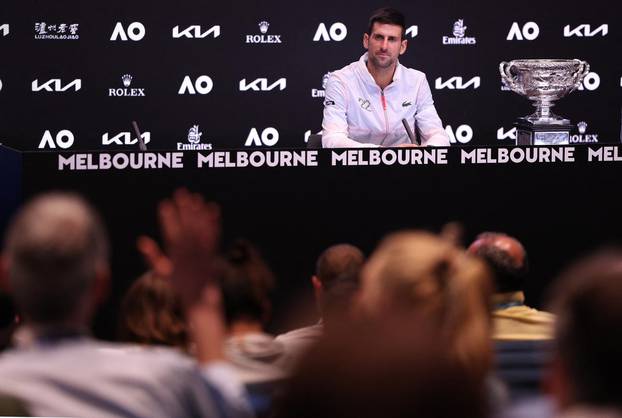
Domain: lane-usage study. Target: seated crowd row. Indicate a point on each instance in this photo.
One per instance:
(421, 328)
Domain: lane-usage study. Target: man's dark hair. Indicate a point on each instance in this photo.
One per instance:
(509, 273)
(389, 16)
(338, 261)
(586, 300)
(246, 282)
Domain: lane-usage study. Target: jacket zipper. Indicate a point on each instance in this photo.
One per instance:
(386, 120)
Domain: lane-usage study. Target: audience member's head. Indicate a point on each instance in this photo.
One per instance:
(339, 300)
(151, 313)
(588, 302)
(506, 257)
(420, 274)
(56, 256)
(391, 366)
(339, 265)
(246, 282)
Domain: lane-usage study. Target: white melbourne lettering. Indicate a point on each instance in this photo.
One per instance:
(121, 161)
(389, 157)
(517, 155)
(229, 159)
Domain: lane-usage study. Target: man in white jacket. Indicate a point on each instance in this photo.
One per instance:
(366, 101)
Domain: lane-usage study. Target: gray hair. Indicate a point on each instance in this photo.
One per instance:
(55, 246)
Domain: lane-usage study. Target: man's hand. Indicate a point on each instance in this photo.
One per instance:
(408, 146)
(159, 263)
(191, 231)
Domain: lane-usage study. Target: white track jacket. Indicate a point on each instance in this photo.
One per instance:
(357, 113)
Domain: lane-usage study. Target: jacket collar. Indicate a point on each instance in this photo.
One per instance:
(367, 77)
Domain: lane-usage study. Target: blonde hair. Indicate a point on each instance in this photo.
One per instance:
(419, 273)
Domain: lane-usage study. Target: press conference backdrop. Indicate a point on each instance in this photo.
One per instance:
(236, 74)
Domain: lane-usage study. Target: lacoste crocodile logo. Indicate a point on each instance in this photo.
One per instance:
(406, 103)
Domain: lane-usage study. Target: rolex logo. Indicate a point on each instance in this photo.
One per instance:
(127, 80)
(263, 38)
(263, 26)
(582, 127)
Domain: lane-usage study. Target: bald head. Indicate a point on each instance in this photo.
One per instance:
(55, 247)
(337, 262)
(505, 255)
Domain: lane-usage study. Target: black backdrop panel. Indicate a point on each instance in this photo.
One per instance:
(208, 56)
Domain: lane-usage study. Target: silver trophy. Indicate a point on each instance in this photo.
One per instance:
(543, 81)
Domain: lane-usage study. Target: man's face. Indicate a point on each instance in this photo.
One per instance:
(384, 45)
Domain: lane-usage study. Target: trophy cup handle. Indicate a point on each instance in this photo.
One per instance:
(508, 78)
(580, 74)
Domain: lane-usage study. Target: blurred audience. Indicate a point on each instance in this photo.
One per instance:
(409, 332)
(418, 345)
(56, 265)
(512, 319)
(392, 366)
(588, 344)
(246, 282)
(418, 273)
(335, 281)
(522, 334)
(151, 314)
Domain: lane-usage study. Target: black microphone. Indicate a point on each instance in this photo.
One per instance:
(413, 138)
(141, 143)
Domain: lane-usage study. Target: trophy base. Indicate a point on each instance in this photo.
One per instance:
(530, 133)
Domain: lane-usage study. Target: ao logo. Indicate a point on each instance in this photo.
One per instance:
(337, 32)
(462, 134)
(307, 135)
(529, 31)
(4, 29)
(201, 85)
(63, 139)
(269, 137)
(135, 31)
(590, 82)
(503, 134)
